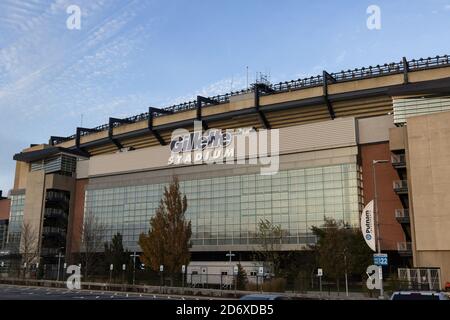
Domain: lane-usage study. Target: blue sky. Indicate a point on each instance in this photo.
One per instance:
(129, 55)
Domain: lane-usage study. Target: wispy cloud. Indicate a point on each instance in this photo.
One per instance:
(51, 75)
(31, 69)
(216, 88)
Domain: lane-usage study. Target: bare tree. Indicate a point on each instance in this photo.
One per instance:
(270, 237)
(29, 245)
(92, 241)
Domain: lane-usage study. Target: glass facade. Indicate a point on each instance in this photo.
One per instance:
(15, 222)
(227, 210)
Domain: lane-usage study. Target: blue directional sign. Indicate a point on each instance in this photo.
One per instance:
(380, 259)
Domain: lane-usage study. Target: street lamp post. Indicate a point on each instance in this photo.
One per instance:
(375, 206)
(229, 254)
(346, 276)
(134, 255)
(59, 262)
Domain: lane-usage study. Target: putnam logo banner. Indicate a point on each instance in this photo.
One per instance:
(368, 225)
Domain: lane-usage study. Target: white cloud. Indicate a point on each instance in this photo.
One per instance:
(49, 72)
(37, 65)
(217, 88)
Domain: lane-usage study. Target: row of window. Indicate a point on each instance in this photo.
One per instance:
(15, 222)
(229, 206)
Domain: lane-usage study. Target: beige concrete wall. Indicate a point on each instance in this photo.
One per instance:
(291, 96)
(429, 178)
(37, 184)
(82, 169)
(331, 134)
(317, 136)
(439, 259)
(374, 129)
(365, 84)
(397, 138)
(20, 179)
(426, 75)
(34, 198)
(429, 154)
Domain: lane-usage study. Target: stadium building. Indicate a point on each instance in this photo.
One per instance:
(335, 131)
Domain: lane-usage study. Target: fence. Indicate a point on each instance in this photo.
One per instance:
(420, 278)
(303, 283)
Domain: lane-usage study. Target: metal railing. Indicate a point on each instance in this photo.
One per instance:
(54, 230)
(55, 213)
(401, 213)
(400, 185)
(420, 278)
(404, 246)
(398, 159)
(342, 76)
(50, 251)
(56, 196)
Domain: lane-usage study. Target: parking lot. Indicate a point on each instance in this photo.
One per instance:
(12, 292)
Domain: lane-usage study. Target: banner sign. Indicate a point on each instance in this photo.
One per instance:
(368, 226)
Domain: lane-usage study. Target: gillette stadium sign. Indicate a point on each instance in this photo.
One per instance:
(231, 146)
(196, 141)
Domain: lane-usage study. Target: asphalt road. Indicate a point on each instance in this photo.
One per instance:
(12, 292)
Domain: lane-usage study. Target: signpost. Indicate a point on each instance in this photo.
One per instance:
(111, 268)
(261, 271)
(183, 272)
(204, 278)
(235, 273)
(380, 259)
(260, 274)
(320, 274)
(161, 270)
(235, 270)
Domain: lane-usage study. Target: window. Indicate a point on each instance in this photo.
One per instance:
(228, 210)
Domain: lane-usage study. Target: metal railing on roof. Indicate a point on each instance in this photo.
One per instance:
(342, 76)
